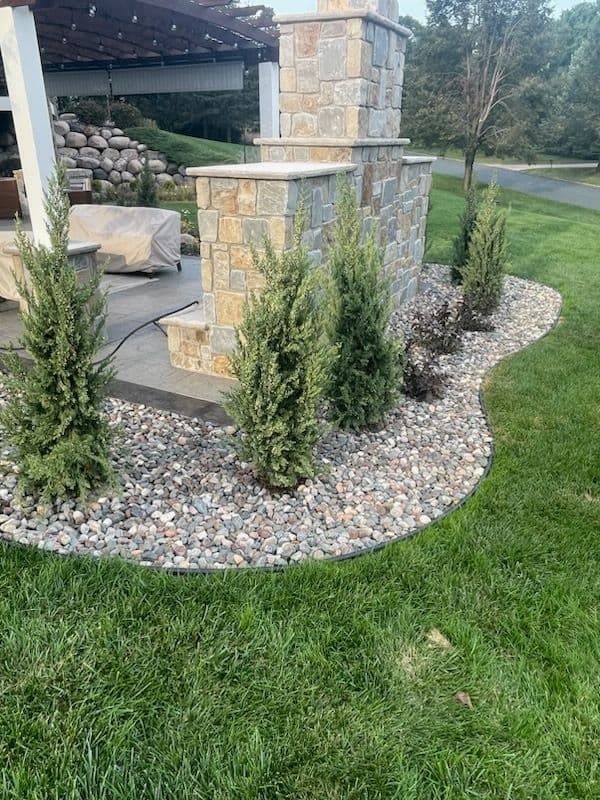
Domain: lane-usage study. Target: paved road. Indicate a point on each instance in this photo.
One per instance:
(563, 191)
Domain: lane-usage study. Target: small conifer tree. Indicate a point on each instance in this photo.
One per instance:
(281, 364)
(367, 378)
(54, 417)
(463, 239)
(483, 275)
(145, 187)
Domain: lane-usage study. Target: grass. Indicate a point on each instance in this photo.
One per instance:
(457, 153)
(183, 206)
(189, 150)
(320, 682)
(579, 175)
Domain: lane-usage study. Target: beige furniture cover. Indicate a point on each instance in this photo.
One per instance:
(131, 239)
(8, 288)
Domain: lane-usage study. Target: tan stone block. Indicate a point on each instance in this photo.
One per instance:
(332, 29)
(355, 29)
(223, 194)
(307, 39)
(354, 58)
(230, 307)
(273, 198)
(336, 154)
(286, 51)
(173, 338)
(308, 77)
(281, 232)
(207, 276)
(310, 103)
(190, 349)
(247, 198)
(230, 230)
(287, 79)
(304, 125)
(221, 270)
(240, 257)
(203, 192)
(290, 103)
(221, 365)
(205, 250)
(356, 122)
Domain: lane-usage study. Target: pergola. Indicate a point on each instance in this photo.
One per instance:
(77, 47)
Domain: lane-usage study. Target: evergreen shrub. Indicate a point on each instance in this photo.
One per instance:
(145, 187)
(367, 378)
(55, 418)
(483, 274)
(463, 239)
(281, 363)
(125, 115)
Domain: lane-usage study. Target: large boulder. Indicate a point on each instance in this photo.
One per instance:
(157, 166)
(90, 130)
(111, 153)
(69, 152)
(97, 141)
(61, 127)
(78, 127)
(100, 175)
(114, 177)
(59, 141)
(107, 164)
(75, 139)
(141, 148)
(106, 133)
(68, 116)
(119, 142)
(88, 163)
(164, 178)
(68, 162)
(127, 177)
(118, 132)
(121, 164)
(135, 166)
(129, 153)
(89, 152)
(104, 187)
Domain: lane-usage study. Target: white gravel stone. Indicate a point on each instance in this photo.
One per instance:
(188, 503)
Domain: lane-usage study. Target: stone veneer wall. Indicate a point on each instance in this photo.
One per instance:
(235, 214)
(341, 78)
(341, 87)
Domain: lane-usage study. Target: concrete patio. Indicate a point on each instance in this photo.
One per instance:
(143, 372)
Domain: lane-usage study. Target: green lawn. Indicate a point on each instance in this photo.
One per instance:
(191, 151)
(319, 683)
(182, 206)
(580, 175)
(457, 153)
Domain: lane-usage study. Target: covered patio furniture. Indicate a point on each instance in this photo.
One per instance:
(131, 239)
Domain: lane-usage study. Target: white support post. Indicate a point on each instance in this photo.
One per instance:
(4, 103)
(23, 71)
(268, 90)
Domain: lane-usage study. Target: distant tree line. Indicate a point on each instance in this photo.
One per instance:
(504, 77)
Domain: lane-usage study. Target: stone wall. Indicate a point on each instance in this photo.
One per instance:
(341, 86)
(108, 155)
(104, 152)
(239, 205)
(341, 77)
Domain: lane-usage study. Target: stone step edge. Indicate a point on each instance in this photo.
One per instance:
(313, 141)
(345, 14)
(187, 319)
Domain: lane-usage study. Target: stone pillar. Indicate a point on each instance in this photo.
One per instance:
(238, 206)
(341, 78)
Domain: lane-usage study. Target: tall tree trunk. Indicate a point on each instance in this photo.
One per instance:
(469, 163)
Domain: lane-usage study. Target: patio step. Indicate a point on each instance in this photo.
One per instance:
(198, 345)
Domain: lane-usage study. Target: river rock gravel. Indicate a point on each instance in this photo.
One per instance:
(187, 503)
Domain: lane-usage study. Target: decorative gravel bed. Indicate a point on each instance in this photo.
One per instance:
(187, 503)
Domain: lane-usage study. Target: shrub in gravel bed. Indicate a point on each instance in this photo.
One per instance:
(438, 328)
(424, 379)
(463, 239)
(54, 417)
(281, 363)
(366, 379)
(483, 274)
